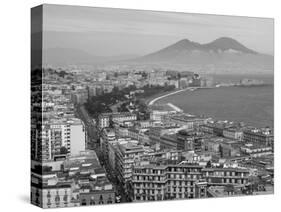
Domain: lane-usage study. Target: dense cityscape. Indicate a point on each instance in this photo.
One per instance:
(102, 138)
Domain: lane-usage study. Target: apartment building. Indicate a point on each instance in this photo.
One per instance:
(97, 191)
(260, 136)
(188, 121)
(163, 182)
(225, 176)
(55, 196)
(255, 150)
(127, 155)
(233, 133)
(55, 135)
(106, 118)
(103, 121)
(107, 137)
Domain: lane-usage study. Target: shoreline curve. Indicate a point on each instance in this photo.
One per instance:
(151, 102)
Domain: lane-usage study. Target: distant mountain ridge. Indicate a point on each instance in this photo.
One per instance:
(69, 56)
(219, 45)
(221, 54)
(225, 43)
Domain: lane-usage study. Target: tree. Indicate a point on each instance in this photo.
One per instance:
(63, 150)
(221, 151)
(209, 164)
(115, 90)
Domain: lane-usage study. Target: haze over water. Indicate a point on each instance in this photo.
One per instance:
(252, 105)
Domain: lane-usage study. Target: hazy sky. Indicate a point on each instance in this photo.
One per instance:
(107, 32)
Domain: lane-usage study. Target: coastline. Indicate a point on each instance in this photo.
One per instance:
(224, 104)
(151, 102)
(147, 100)
(154, 100)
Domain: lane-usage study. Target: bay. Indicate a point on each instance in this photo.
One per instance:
(251, 105)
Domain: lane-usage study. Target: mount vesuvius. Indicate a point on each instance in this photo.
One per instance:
(222, 55)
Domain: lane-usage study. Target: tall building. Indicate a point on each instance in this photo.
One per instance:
(41, 145)
(107, 137)
(77, 137)
(58, 137)
(127, 155)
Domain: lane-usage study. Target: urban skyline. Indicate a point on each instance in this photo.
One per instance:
(102, 133)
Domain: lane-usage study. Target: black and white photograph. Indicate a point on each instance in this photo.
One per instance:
(134, 106)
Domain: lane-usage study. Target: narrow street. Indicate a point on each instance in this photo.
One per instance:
(90, 126)
(93, 144)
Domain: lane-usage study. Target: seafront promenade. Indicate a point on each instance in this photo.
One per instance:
(169, 94)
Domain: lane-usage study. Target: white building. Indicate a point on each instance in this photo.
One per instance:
(56, 134)
(77, 137)
(233, 133)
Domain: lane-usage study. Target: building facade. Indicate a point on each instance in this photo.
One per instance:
(163, 182)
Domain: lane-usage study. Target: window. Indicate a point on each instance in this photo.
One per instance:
(49, 202)
(101, 200)
(48, 195)
(57, 198)
(92, 201)
(109, 201)
(84, 202)
(65, 197)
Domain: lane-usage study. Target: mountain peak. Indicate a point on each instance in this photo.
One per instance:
(223, 55)
(227, 43)
(219, 45)
(184, 41)
(226, 39)
(183, 44)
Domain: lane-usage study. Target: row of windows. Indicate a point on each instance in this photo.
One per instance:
(151, 178)
(159, 191)
(169, 196)
(226, 173)
(169, 183)
(94, 201)
(228, 180)
(170, 176)
(170, 169)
